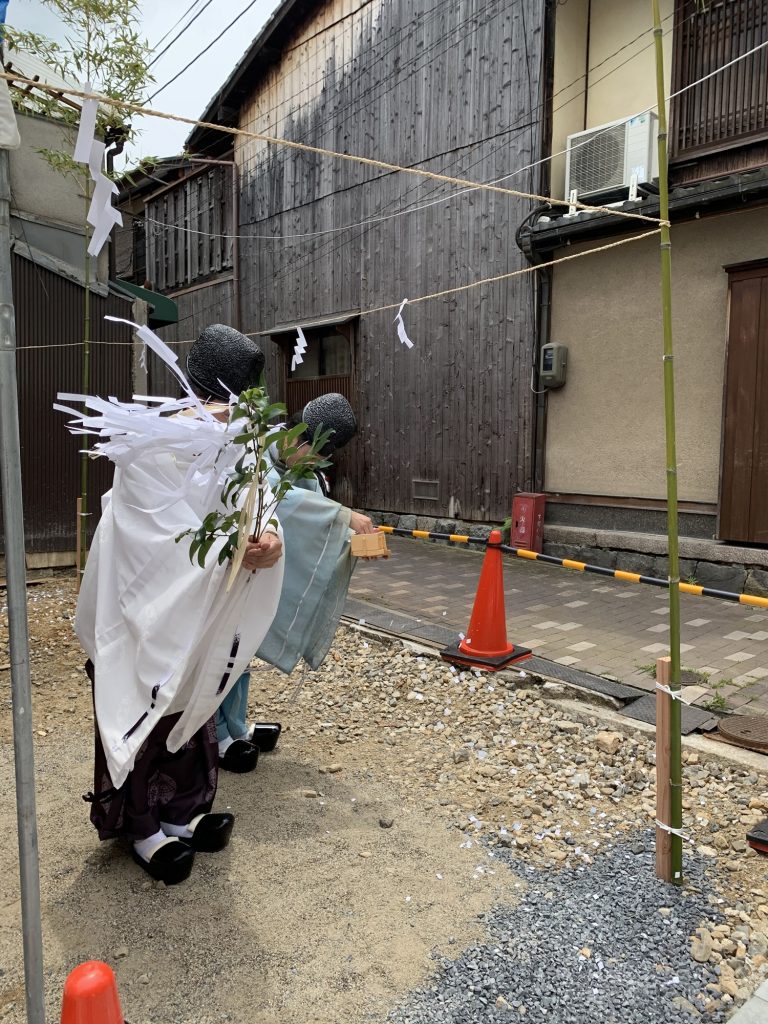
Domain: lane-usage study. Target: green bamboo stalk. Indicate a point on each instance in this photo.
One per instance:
(86, 385)
(675, 769)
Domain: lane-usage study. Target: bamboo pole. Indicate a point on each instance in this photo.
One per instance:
(663, 804)
(78, 540)
(82, 512)
(675, 771)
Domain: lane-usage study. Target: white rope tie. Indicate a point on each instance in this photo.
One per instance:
(673, 831)
(674, 694)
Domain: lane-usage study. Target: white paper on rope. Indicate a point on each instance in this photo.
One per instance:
(299, 349)
(401, 331)
(95, 159)
(102, 216)
(102, 195)
(87, 128)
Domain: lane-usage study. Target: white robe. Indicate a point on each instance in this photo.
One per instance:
(163, 633)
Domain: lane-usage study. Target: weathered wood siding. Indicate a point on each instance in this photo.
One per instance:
(189, 228)
(200, 306)
(455, 88)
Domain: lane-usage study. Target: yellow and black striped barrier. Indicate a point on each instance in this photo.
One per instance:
(570, 563)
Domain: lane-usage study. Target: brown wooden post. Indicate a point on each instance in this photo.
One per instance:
(79, 548)
(663, 790)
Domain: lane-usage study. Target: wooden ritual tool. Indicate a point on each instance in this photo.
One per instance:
(370, 545)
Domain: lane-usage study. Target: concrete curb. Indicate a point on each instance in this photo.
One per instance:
(755, 1010)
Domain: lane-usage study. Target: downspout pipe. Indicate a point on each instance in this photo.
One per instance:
(523, 239)
(116, 136)
(543, 336)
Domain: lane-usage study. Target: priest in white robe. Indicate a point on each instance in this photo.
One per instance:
(165, 637)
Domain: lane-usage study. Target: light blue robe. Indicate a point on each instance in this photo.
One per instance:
(318, 566)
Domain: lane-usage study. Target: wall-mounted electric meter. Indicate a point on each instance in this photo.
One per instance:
(552, 365)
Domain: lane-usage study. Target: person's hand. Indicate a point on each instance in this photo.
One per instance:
(359, 523)
(263, 553)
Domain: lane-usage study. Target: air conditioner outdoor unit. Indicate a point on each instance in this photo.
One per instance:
(606, 158)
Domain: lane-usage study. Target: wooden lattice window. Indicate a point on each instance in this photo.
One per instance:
(189, 229)
(730, 109)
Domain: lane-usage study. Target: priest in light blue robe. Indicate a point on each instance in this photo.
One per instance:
(318, 566)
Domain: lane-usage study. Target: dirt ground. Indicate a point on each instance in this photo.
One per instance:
(316, 912)
(363, 847)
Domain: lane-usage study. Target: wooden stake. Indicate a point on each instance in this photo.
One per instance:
(78, 548)
(663, 789)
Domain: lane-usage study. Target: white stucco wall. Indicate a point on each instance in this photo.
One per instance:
(48, 207)
(37, 188)
(605, 428)
(605, 73)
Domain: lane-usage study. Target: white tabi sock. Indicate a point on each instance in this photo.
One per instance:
(224, 745)
(180, 831)
(146, 847)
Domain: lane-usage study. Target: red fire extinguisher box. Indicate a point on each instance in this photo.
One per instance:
(528, 521)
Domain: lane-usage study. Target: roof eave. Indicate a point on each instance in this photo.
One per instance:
(225, 103)
(748, 188)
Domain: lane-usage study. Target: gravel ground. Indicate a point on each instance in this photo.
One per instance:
(606, 942)
(419, 831)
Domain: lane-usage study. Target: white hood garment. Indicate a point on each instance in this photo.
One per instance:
(164, 634)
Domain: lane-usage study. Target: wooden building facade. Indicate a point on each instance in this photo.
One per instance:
(447, 428)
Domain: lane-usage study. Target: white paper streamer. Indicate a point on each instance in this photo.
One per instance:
(87, 127)
(128, 430)
(168, 356)
(299, 349)
(102, 195)
(102, 216)
(95, 159)
(108, 218)
(401, 331)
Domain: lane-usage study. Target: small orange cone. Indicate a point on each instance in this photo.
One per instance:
(90, 996)
(486, 645)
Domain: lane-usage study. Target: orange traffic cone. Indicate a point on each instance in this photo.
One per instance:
(486, 645)
(90, 996)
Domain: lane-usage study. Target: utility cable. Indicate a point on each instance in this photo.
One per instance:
(412, 209)
(322, 151)
(178, 36)
(178, 21)
(204, 50)
(420, 298)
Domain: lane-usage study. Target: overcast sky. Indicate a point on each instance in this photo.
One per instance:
(188, 95)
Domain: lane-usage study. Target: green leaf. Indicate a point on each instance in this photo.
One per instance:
(205, 548)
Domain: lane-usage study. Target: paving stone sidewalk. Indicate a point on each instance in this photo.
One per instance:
(604, 626)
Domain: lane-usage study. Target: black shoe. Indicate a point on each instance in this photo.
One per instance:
(241, 756)
(212, 832)
(171, 863)
(265, 735)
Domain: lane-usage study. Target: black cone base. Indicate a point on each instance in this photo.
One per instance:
(456, 656)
